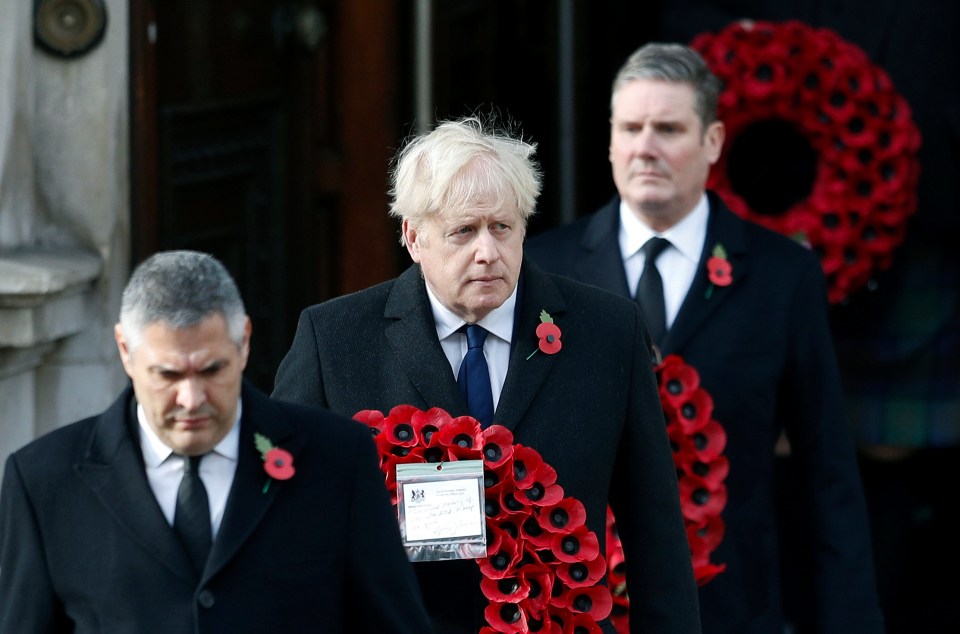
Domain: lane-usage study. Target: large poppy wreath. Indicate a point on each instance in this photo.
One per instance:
(820, 146)
(543, 565)
(697, 441)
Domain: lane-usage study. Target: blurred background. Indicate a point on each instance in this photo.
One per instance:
(261, 131)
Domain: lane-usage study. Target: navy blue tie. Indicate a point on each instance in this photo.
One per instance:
(474, 377)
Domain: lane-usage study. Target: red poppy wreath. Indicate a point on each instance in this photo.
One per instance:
(844, 171)
(697, 442)
(543, 565)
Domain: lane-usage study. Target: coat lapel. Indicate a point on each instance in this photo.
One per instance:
(247, 502)
(722, 228)
(113, 469)
(600, 263)
(412, 336)
(526, 373)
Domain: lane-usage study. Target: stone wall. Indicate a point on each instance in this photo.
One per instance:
(64, 224)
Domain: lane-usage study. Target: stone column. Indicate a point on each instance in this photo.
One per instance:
(16, 106)
(64, 224)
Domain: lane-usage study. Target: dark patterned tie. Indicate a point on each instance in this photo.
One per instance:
(474, 377)
(650, 290)
(191, 519)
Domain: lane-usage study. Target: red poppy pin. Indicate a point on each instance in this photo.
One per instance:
(719, 269)
(277, 462)
(549, 334)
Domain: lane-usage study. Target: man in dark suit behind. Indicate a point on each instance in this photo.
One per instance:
(464, 193)
(758, 336)
(194, 503)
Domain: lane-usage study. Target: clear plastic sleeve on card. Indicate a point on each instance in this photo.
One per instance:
(441, 510)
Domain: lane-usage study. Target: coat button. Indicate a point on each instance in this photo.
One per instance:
(206, 599)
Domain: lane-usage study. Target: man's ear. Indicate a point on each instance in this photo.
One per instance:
(123, 347)
(410, 240)
(245, 346)
(713, 139)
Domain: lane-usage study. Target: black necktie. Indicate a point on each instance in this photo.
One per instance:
(650, 290)
(191, 520)
(474, 377)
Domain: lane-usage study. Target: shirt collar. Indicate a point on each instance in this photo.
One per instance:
(687, 236)
(498, 321)
(155, 451)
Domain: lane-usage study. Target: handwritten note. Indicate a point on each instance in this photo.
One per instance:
(442, 509)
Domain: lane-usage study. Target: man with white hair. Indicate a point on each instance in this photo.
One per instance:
(463, 193)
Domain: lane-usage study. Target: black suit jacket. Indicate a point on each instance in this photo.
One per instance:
(84, 545)
(591, 410)
(763, 349)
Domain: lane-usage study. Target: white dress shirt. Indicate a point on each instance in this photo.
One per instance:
(165, 469)
(678, 262)
(496, 348)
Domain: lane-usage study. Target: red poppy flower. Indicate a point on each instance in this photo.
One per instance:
(534, 533)
(497, 478)
(497, 445)
(582, 573)
(708, 535)
(462, 452)
(694, 413)
(399, 431)
(506, 589)
(506, 617)
(501, 557)
(463, 432)
(684, 453)
(541, 579)
(427, 423)
(594, 601)
(549, 335)
(580, 544)
(541, 494)
(495, 535)
(714, 472)
(278, 463)
(539, 486)
(719, 271)
(526, 462)
(388, 449)
(513, 509)
(677, 380)
(709, 441)
(698, 501)
(371, 418)
(563, 517)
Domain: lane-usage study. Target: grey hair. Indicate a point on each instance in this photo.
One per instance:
(673, 63)
(459, 164)
(180, 289)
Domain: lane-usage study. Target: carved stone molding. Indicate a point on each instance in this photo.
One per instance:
(41, 295)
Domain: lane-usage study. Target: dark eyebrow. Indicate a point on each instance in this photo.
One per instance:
(214, 366)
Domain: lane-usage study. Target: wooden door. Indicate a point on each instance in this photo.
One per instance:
(244, 147)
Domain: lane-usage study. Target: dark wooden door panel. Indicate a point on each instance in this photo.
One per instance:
(221, 179)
